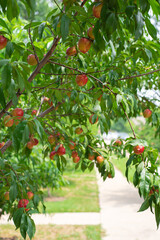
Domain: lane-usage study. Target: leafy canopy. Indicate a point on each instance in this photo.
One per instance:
(120, 60)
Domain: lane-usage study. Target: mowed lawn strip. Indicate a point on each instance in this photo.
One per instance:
(50, 232)
(80, 195)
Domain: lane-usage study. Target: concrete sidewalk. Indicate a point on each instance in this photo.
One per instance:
(119, 202)
(62, 219)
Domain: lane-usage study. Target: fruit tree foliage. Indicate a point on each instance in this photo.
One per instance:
(80, 63)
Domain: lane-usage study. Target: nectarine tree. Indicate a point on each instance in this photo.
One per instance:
(83, 63)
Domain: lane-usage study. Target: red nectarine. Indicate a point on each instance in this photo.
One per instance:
(84, 45)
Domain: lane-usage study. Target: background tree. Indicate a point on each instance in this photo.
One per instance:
(82, 63)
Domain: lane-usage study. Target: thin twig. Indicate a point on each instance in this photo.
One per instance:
(42, 100)
(68, 74)
(93, 149)
(128, 120)
(58, 6)
(139, 75)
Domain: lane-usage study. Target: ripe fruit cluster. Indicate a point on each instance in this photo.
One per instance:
(138, 149)
(3, 42)
(153, 190)
(75, 157)
(16, 116)
(2, 144)
(31, 59)
(78, 130)
(147, 113)
(60, 152)
(91, 157)
(6, 196)
(118, 142)
(81, 80)
(100, 159)
(22, 202)
(33, 142)
(91, 119)
(34, 112)
(84, 44)
(97, 10)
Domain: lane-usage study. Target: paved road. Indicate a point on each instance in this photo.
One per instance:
(119, 203)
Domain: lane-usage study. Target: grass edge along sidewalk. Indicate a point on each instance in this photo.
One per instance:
(50, 232)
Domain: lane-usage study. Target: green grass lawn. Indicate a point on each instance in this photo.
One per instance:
(51, 232)
(80, 195)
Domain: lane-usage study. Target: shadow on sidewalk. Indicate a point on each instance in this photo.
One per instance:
(123, 197)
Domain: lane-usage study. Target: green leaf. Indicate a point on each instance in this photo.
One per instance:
(18, 134)
(9, 49)
(6, 76)
(17, 217)
(140, 167)
(24, 225)
(112, 171)
(31, 227)
(79, 9)
(39, 129)
(3, 24)
(144, 206)
(83, 166)
(65, 22)
(130, 160)
(13, 192)
(140, 24)
(41, 29)
(91, 166)
(19, 78)
(4, 62)
(143, 5)
(135, 179)
(126, 174)
(144, 182)
(111, 23)
(12, 9)
(32, 24)
(136, 142)
(151, 28)
(99, 40)
(25, 138)
(12, 93)
(157, 214)
(155, 7)
(129, 10)
(119, 98)
(2, 98)
(3, 4)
